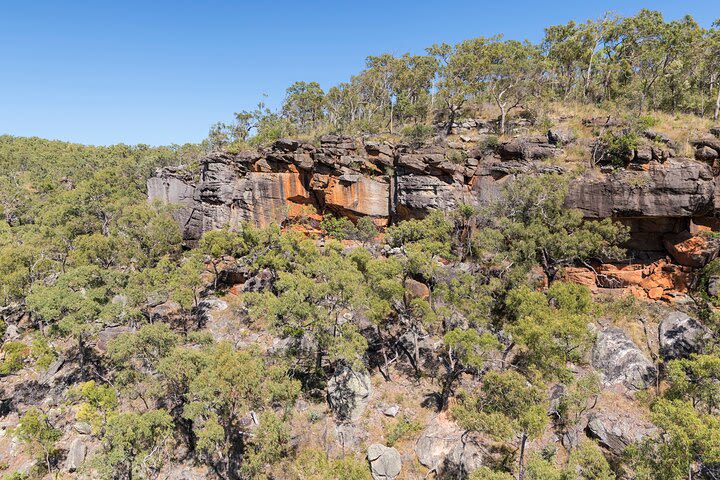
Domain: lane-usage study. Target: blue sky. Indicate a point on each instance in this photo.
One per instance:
(161, 72)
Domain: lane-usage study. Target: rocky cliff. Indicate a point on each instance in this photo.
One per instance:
(343, 176)
(656, 197)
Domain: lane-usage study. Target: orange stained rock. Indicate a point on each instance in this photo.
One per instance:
(655, 293)
(365, 196)
(277, 196)
(583, 276)
(627, 277)
(659, 280)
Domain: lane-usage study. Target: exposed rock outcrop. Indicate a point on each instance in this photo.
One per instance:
(616, 430)
(658, 280)
(76, 455)
(680, 336)
(387, 183)
(692, 250)
(677, 188)
(385, 462)
(621, 361)
(444, 449)
(348, 393)
(172, 186)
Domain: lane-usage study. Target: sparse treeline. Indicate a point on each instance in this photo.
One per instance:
(641, 62)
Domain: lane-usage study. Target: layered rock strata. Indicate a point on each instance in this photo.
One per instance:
(664, 202)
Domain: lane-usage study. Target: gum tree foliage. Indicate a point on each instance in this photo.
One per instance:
(317, 299)
(550, 329)
(508, 408)
(227, 386)
(642, 62)
(530, 225)
(304, 105)
(466, 351)
(39, 435)
(687, 440)
(697, 380)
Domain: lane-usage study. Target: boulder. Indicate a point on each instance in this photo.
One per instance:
(108, 334)
(581, 275)
(706, 154)
(259, 281)
(349, 437)
(713, 287)
(185, 472)
(385, 462)
(348, 393)
(608, 121)
(643, 154)
(391, 411)
(52, 370)
(706, 140)
(561, 135)
(445, 450)
(76, 455)
(286, 144)
(337, 141)
(82, 428)
(617, 429)
(528, 148)
(691, 250)
(620, 361)
(680, 336)
(415, 289)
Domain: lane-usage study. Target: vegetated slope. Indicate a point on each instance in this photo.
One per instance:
(496, 337)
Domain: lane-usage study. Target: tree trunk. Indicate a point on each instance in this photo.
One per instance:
(47, 459)
(503, 115)
(717, 105)
(588, 74)
(521, 471)
(447, 389)
(451, 121)
(81, 352)
(505, 354)
(392, 110)
(416, 352)
(318, 359)
(383, 344)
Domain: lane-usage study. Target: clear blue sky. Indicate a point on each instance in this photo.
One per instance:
(160, 72)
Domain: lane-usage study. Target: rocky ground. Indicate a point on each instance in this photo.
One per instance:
(652, 297)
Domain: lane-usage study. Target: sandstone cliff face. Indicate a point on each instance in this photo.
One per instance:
(660, 200)
(343, 176)
(678, 188)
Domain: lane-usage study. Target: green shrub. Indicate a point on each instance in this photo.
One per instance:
(620, 146)
(43, 353)
(338, 228)
(366, 230)
(417, 135)
(456, 156)
(489, 144)
(401, 428)
(15, 476)
(647, 121)
(15, 354)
